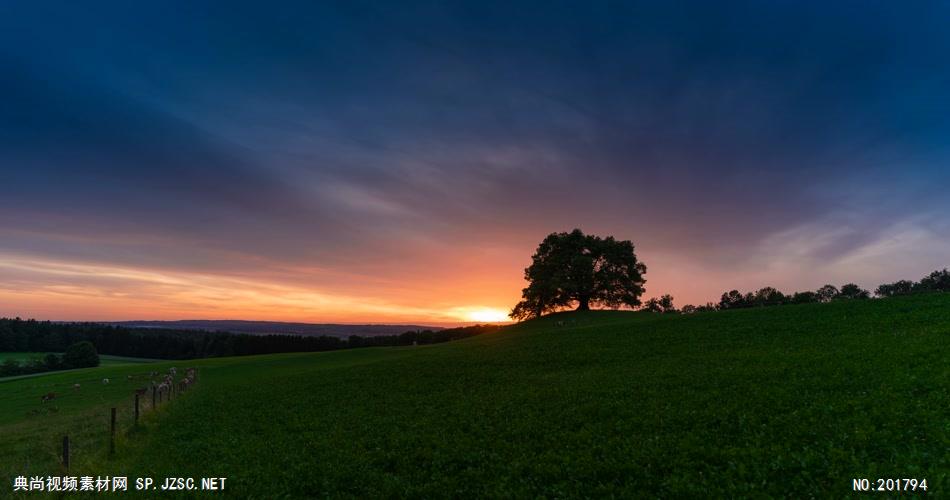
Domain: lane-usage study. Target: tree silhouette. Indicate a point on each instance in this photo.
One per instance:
(571, 269)
(663, 304)
(902, 287)
(937, 281)
(733, 299)
(827, 293)
(652, 305)
(804, 298)
(852, 291)
(666, 304)
(768, 296)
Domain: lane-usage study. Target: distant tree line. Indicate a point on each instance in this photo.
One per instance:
(937, 281)
(18, 335)
(583, 271)
(79, 355)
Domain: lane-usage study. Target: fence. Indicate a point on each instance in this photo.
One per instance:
(161, 393)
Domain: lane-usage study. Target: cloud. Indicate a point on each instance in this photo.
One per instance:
(419, 153)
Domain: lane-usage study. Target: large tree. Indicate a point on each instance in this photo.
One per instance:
(575, 269)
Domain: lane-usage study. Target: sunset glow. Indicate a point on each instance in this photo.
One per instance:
(488, 316)
(338, 169)
(97, 292)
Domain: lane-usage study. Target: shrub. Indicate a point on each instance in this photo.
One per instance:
(81, 355)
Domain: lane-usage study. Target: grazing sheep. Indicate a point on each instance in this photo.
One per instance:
(76, 386)
(105, 381)
(128, 377)
(48, 397)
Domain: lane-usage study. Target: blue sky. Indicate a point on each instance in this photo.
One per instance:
(400, 160)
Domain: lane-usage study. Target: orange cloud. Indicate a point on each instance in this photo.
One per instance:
(80, 291)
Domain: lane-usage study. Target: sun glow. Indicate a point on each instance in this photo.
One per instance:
(488, 316)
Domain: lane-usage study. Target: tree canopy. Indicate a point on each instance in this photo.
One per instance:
(575, 269)
(81, 355)
(663, 304)
(852, 291)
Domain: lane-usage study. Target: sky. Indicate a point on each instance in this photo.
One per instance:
(390, 162)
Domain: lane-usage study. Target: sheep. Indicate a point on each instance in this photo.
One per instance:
(49, 396)
(76, 387)
(128, 377)
(105, 381)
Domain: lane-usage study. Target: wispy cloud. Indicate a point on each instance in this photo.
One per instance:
(356, 160)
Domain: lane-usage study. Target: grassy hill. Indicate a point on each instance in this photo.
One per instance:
(791, 401)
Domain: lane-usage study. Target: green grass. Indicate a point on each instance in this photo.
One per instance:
(104, 359)
(21, 356)
(782, 402)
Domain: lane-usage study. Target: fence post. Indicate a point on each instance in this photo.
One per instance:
(136, 408)
(66, 452)
(112, 433)
(153, 396)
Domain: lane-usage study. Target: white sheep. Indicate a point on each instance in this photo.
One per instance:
(105, 381)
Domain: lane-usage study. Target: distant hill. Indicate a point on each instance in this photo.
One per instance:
(277, 327)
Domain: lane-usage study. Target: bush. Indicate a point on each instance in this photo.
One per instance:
(53, 362)
(81, 355)
(9, 368)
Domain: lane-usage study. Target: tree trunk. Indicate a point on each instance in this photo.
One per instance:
(583, 304)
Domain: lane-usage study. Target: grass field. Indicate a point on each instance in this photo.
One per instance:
(104, 359)
(791, 401)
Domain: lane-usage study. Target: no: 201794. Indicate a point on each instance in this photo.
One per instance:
(889, 484)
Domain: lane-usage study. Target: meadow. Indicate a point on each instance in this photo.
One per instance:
(104, 359)
(792, 401)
